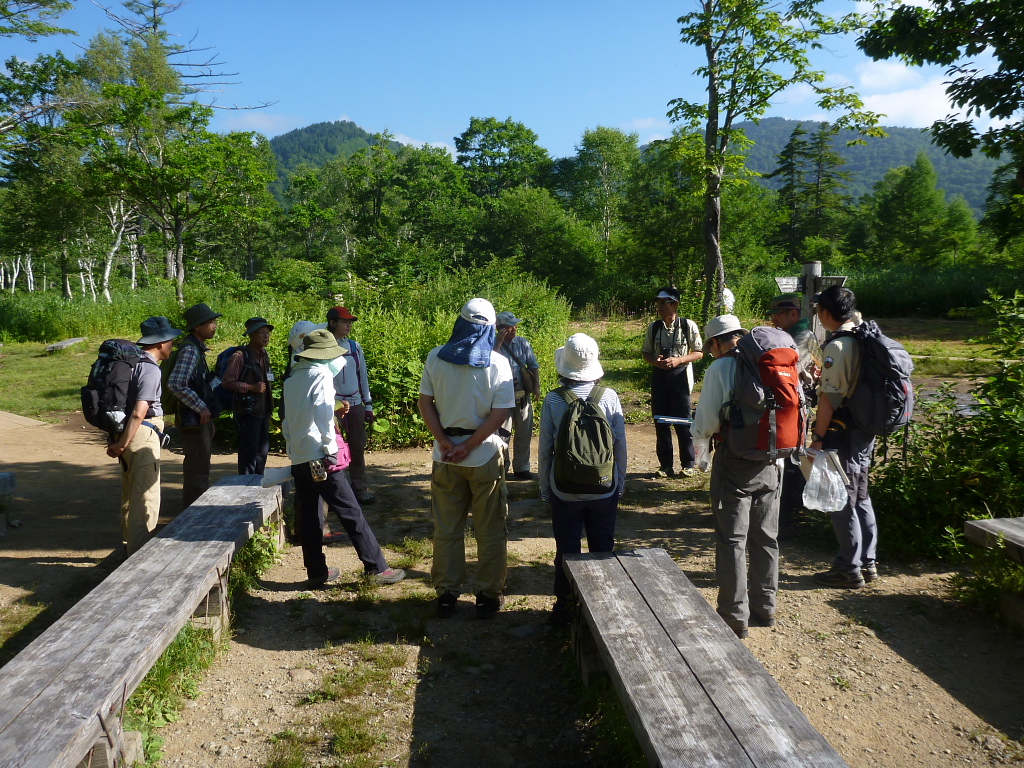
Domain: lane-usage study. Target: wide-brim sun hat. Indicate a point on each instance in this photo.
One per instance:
(722, 324)
(156, 330)
(199, 314)
(299, 331)
(320, 345)
(578, 359)
(478, 311)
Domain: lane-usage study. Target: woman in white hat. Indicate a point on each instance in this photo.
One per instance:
(578, 507)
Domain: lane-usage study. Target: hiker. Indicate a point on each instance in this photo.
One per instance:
(526, 383)
(192, 383)
(138, 447)
(784, 312)
(312, 446)
(746, 473)
(249, 377)
(465, 395)
(855, 526)
(574, 507)
(355, 406)
(671, 346)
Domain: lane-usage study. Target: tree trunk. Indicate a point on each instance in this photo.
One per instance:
(15, 271)
(30, 278)
(179, 262)
(65, 272)
(714, 270)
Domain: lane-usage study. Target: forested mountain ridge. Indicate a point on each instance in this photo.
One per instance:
(868, 163)
(314, 145)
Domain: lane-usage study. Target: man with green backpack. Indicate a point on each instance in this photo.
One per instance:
(582, 459)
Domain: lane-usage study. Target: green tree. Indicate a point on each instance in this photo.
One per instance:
(828, 210)
(753, 51)
(908, 214)
(605, 159)
(952, 33)
(499, 155)
(792, 169)
(31, 18)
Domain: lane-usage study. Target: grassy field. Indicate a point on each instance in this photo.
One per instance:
(38, 384)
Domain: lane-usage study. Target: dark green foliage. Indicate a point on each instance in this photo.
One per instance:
(869, 162)
(499, 156)
(960, 465)
(906, 290)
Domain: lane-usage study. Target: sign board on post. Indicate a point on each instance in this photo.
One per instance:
(789, 284)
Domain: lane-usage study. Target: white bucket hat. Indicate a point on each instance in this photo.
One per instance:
(299, 331)
(577, 360)
(722, 324)
(478, 312)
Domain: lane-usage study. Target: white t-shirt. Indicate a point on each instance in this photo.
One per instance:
(464, 396)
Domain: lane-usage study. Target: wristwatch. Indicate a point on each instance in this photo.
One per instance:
(816, 438)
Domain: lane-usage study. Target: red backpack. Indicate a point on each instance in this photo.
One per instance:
(765, 419)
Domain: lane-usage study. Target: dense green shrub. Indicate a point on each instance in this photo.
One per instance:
(959, 465)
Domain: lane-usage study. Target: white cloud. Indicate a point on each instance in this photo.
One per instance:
(261, 121)
(646, 124)
(912, 107)
(887, 76)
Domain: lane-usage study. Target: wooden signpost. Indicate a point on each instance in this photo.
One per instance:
(809, 284)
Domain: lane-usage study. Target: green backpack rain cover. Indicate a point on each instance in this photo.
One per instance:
(584, 459)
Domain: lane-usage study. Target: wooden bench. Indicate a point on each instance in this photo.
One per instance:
(63, 344)
(63, 696)
(693, 693)
(987, 533)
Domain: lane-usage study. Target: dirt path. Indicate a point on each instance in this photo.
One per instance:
(895, 675)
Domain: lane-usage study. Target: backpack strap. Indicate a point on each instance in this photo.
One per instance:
(596, 394)
(567, 394)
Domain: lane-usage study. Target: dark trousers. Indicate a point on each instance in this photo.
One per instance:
(336, 491)
(569, 520)
(670, 396)
(355, 435)
(197, 445)
(855, 525)
(253, 443)
(792, 499)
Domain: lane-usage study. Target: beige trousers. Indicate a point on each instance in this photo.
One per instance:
(455, 491)
(140, 487)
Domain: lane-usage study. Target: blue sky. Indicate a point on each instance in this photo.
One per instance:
(422, 69)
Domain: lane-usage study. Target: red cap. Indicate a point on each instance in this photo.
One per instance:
(339, 313)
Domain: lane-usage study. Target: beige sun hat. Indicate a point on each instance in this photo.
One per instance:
(320, 345)
(722, 324)
(578, 359)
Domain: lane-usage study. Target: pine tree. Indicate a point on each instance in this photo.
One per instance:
(792, 169)
(827, 208)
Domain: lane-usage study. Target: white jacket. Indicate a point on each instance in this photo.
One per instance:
(308, 425)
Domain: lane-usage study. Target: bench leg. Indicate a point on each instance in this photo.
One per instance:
(584, 649)
(214, 613)
(115, 749)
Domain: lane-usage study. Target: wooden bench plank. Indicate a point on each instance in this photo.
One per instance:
(672, 715)
(92, 658)
(64, 344)
(770, 727)
(987, 532)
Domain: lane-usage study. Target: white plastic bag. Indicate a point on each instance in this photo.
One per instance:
(826, 489)
(702, 453)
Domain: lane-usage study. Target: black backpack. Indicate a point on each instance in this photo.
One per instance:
(883, 401)
(584, 460)
(105, 397)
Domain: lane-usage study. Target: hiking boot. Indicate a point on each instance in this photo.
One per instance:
(365, 498)
(840, 579)
(389, 576)
(524, 475)
(486, 606)
(446, 603)
(757, 620)
(333, 538)
(690, 471)
(741, 632)
(869, 572)
(332, 575)
(665, 472)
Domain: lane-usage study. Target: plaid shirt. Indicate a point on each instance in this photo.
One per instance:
(188, 358)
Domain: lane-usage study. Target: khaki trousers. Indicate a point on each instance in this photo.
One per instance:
(140, 487)
(455, 491)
